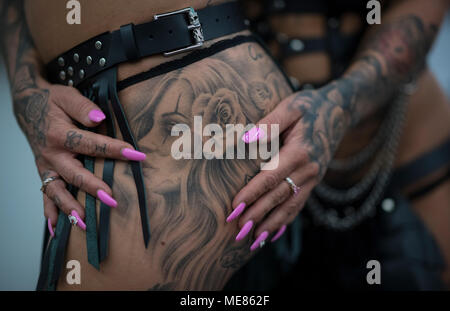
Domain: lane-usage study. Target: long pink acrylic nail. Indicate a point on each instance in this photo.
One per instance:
(245, 230)
(50, 228)
(133, 155)
(279, 234)
(106, 198)
(80, 222)
(262, 237)
(237, 211)
(253, 135)
(96, 116)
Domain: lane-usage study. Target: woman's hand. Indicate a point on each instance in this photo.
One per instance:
(311, 123)
(46, 114)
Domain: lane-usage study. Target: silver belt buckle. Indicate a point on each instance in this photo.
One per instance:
(194, 26)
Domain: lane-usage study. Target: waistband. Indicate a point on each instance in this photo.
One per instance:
(168, 33)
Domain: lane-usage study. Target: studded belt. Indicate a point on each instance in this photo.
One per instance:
(169, 33)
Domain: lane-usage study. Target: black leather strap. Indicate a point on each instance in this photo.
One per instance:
(101, 87)
(130, 42)
(424, 165)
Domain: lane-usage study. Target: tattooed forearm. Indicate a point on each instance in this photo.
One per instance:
(21, 58)
(394, 54)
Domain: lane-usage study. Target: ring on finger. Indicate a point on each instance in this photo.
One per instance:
(47, 181)
(295, 189)
(73, 220)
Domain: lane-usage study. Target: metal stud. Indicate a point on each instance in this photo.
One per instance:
(70, 83)
(70, 70)
(76, 58)
(388, 205)
(61, 62)
(297, 45)
(98, 45)
(81, 74)
(62, 75)
(88, 60)
(102, 62)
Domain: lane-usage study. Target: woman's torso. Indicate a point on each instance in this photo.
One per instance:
(428, 113)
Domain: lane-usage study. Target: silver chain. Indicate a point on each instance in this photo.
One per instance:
(329, 217)
(354, 161)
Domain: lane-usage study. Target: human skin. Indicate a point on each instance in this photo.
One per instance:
(191, 246)
(312, 169)
(389, 55)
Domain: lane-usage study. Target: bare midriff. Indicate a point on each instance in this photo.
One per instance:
(191, 246)
(427, 126)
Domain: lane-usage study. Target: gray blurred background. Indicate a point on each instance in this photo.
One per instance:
(21, 209)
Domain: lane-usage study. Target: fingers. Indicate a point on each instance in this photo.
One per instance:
(289, 159)
(96, 145)
(51, 214)
(73, 172)
(285, 213)
(77, 106)
(276, 197)
(56, 191)
(282, 117)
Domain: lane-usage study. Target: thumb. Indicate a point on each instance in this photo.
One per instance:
(77, 106)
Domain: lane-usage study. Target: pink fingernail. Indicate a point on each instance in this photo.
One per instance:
(50, 228)
(80, 222)
(253, 135)
(245, 230)
(106, 198)
(262, 237)
(237, 211)
(96, 116)
(279, 234)
(133, 155)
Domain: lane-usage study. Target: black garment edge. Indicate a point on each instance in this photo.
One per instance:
(423, 166)
(195, 57)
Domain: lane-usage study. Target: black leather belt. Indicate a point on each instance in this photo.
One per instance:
(169, 33)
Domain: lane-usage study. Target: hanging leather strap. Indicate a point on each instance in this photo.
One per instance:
(128, 136)
(102, 86)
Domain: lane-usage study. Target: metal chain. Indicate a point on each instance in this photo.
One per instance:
(329, 217)
(357, 160)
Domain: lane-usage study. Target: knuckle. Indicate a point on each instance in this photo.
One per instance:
(278, 197)
(84, 107)
(302, 155)
(269, 182)
(89, 146)
(314, 169)
(78, 180)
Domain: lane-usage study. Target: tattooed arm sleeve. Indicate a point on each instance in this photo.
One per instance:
(25, 73)
(391, 54)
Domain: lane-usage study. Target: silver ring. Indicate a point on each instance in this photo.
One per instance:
(47, 181)
(294, 187)
(73, 220)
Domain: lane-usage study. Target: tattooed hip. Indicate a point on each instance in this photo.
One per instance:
(191, 246)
